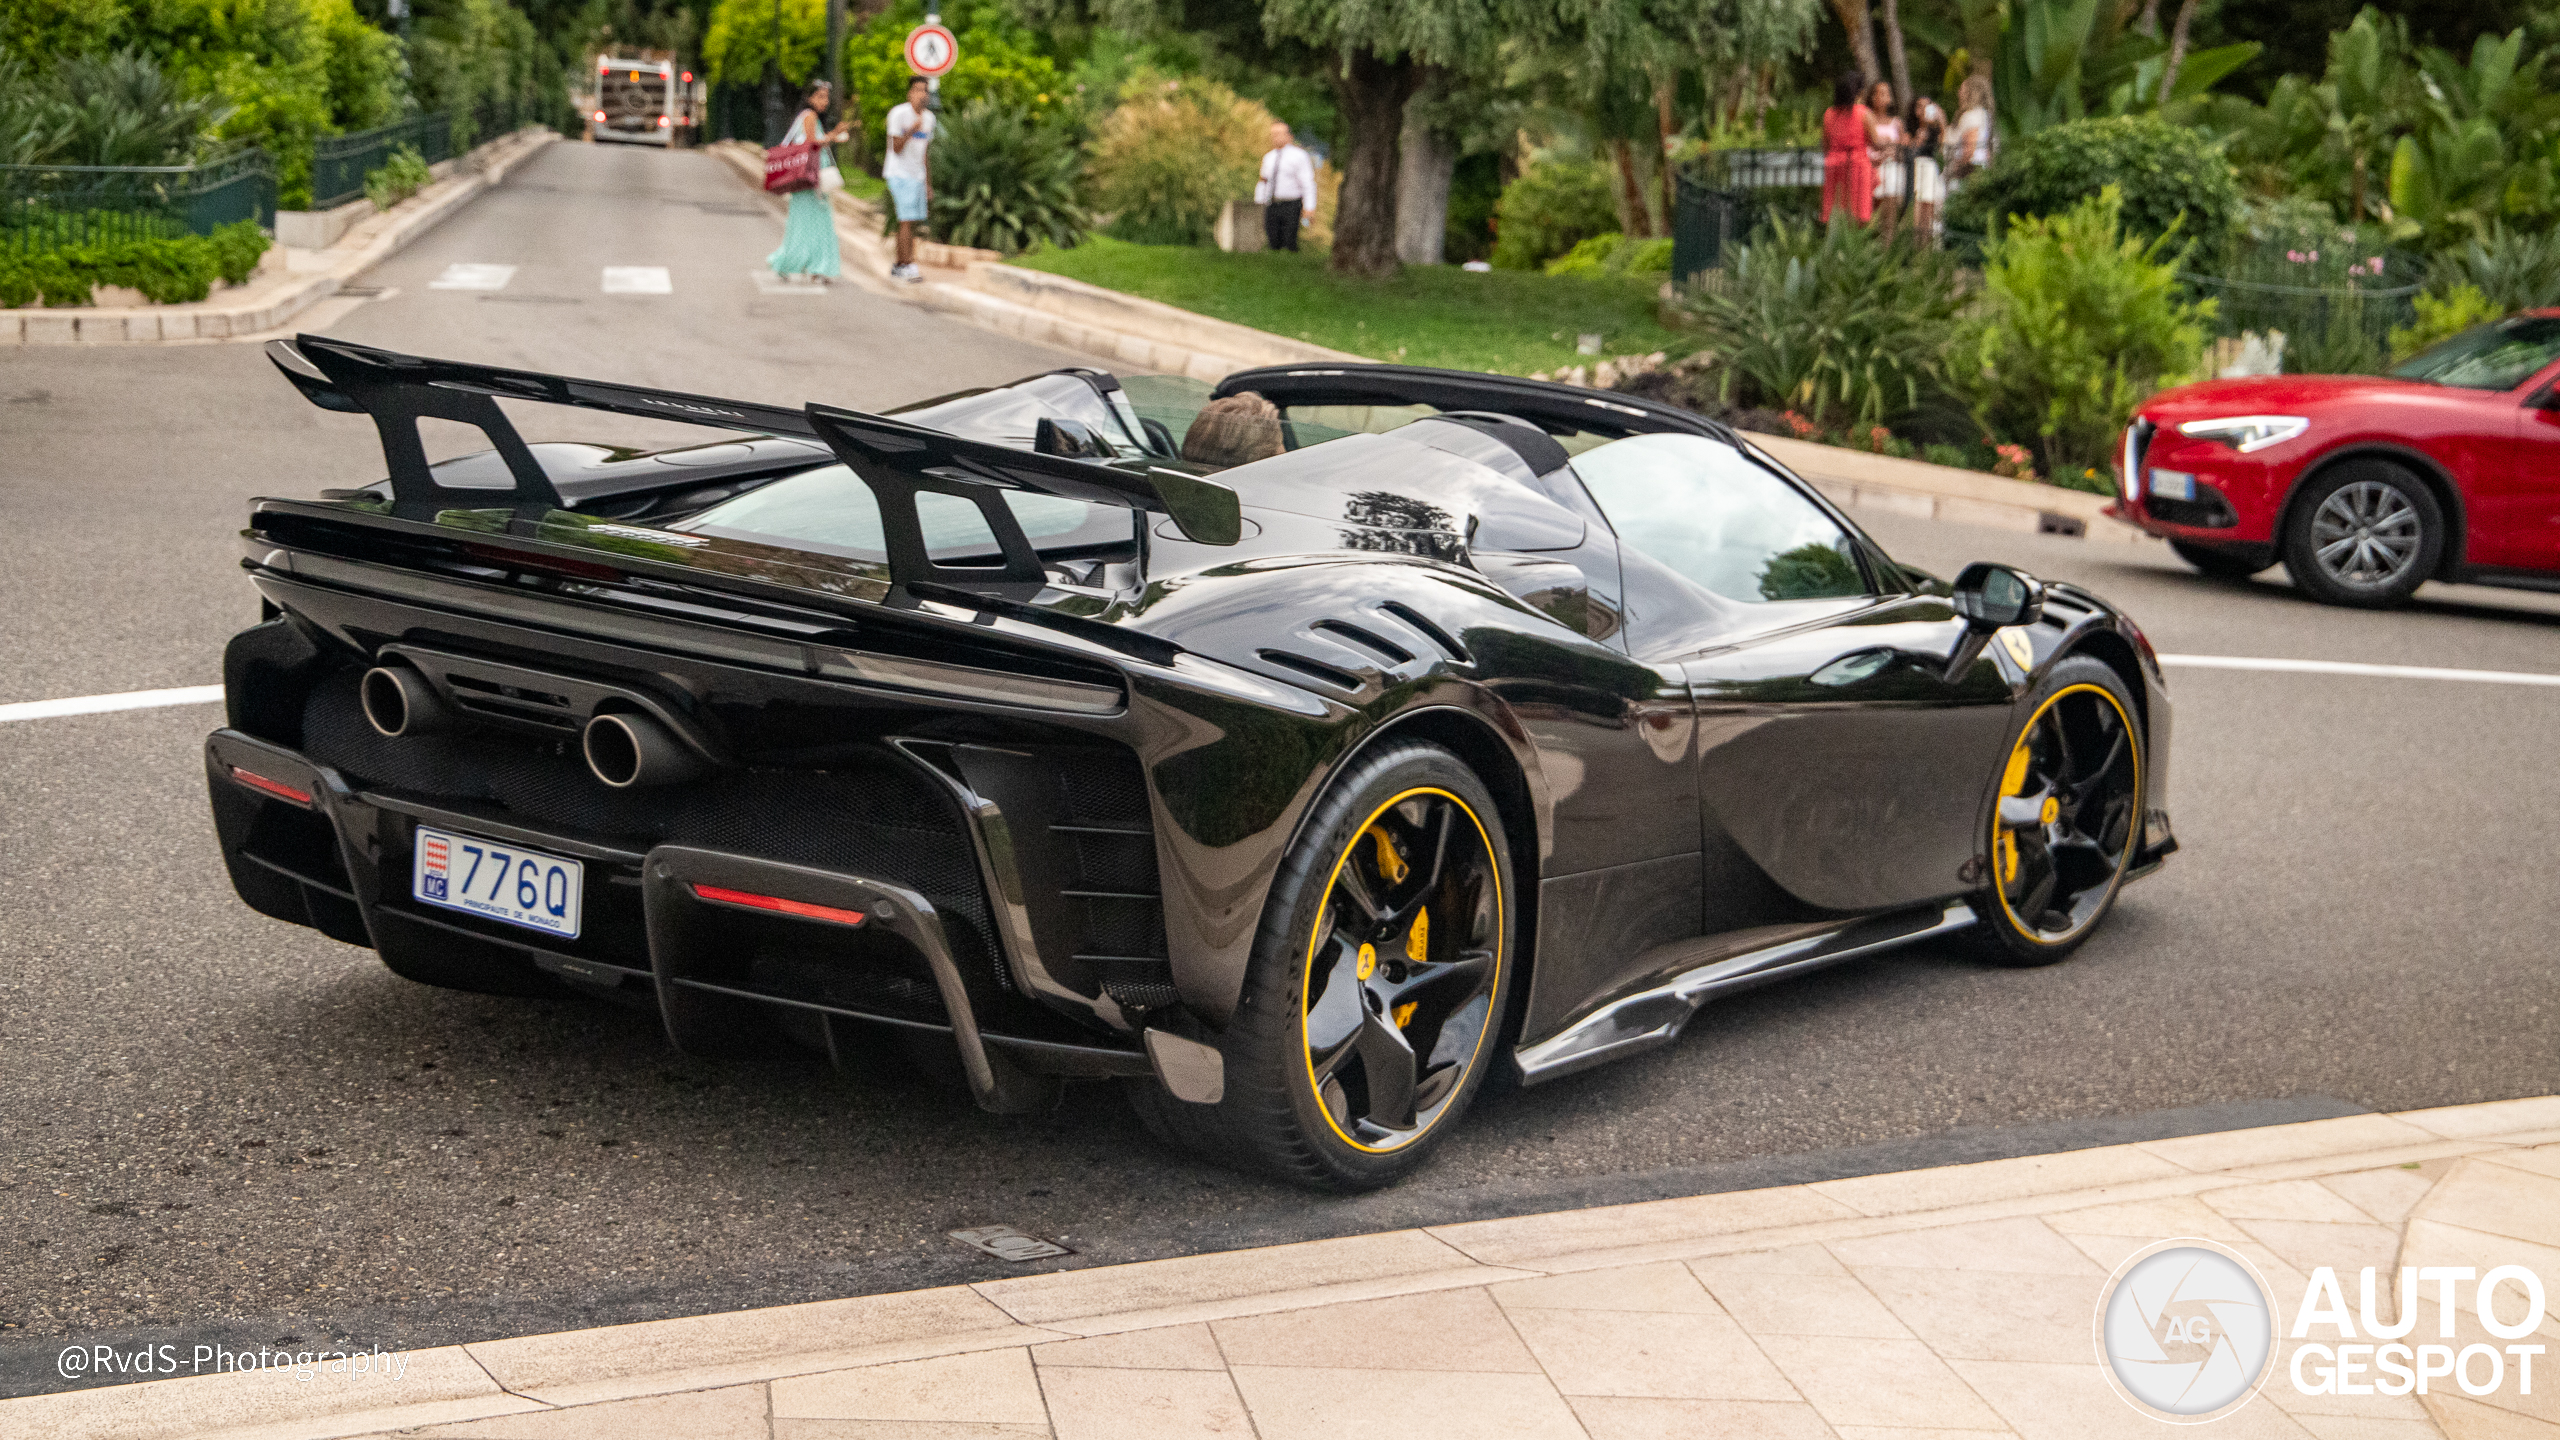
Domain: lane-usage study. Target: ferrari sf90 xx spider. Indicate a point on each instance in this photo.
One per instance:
(1297, 751)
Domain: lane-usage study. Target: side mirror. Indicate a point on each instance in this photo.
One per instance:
(1073, 439)
(1994, 597)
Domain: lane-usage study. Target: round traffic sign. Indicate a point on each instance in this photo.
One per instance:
(932, 50)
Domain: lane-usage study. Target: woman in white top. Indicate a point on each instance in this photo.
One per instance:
(1969, 144)
(1891, 175)
(1927, 139)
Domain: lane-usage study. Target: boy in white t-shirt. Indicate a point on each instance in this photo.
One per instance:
(910, 183)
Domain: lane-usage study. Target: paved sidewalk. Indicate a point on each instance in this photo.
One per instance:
(1926, 1305)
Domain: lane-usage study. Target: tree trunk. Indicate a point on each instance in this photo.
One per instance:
(2149, 24)
(1862, 37)
(1370, 95)
(1422, 193)
(1634, 217)
(1902, 91)
(1662, 97)
(2177, 49)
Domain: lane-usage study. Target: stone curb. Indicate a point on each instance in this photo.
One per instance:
(2496, 1194)
(249, 312)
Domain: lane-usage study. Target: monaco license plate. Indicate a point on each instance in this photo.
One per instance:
(503, 882)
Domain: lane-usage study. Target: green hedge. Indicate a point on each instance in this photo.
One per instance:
(166, 271)
(2163, 171)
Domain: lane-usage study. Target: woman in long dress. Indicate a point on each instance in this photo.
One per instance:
(1848, 171)
(809, 232)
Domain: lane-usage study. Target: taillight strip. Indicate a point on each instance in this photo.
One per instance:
(276, 788)
(775, 903)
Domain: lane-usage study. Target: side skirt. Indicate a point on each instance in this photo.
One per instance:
(1720, 965)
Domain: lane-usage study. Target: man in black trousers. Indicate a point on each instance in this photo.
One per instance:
(1287, 190)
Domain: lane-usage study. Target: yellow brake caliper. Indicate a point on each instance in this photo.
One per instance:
(1417, 948)
(2005, 843)
(1391, 867)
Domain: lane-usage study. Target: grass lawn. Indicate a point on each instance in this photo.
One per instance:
(1509, 321)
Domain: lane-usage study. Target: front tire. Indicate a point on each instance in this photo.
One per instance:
(1374, 1001)
(2066, 818)
(2365, 533)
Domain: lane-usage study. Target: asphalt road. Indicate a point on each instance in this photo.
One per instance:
(223, 1129)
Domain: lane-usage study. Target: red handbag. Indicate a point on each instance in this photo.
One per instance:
(791, 167)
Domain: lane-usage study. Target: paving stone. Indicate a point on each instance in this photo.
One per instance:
(1688, 1357)
(1298, 1404)
(1446, 1330)
(1109, 1404)
(1175, 1347)
(995, 1386)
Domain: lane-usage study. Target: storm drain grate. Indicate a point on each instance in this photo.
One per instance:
(1006, 1243)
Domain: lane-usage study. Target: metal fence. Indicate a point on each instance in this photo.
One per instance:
(339, 163)
(47, 207)
(1718, 201)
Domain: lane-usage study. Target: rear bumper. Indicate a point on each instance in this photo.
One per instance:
(304, 845)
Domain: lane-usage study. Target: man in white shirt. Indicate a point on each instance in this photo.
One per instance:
(910, 183)
(1287, 190)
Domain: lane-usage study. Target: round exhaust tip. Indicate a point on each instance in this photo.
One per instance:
(394, 700)
(624, 750)
(613, 751)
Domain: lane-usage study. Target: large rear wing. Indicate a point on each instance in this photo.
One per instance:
(896, 459)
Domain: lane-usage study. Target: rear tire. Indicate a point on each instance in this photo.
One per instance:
(2365, 533)
(2219, 563)
(1374, 1000)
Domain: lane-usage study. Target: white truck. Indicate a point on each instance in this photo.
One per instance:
(646, 101)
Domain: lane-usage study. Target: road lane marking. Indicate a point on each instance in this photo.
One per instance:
(637, 280)
(473, 277)
(100, 704)
(2345, 667)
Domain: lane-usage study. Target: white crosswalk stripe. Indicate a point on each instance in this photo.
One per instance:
(637, 280)
(473, 277)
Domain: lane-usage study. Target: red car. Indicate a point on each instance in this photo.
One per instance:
(2447, 468)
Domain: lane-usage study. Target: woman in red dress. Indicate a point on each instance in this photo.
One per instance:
(1848, 171)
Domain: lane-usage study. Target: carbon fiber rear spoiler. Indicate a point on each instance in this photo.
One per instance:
(894, 458)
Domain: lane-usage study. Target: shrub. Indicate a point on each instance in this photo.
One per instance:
(1553, 206)
(1172, 155)
(2163, 171)
(2441, 317)
(1848, 329)
(1004, 183)
(1614, 254)
(2080, 322)
(2512, 269)
(398, 178)
(168, 270)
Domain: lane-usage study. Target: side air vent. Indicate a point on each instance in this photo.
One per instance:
(1315, 670)
(1109, 853)
(1438, 636)
(1375, 644)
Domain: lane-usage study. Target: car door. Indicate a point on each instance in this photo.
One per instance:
(2526, 511)
(1841, 766)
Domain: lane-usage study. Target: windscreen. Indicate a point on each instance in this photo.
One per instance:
(2489, 357)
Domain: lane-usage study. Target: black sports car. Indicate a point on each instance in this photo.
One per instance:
(1299, 750)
